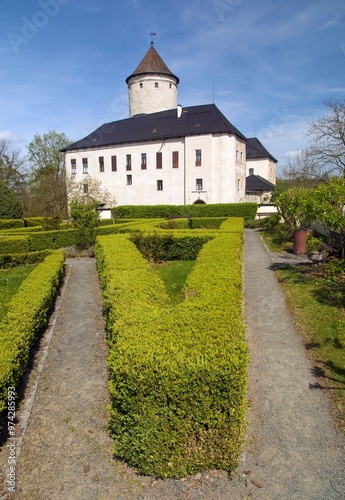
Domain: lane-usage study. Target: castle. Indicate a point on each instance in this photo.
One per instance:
(166, 154)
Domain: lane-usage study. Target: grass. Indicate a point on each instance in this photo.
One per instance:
(316, 295)
(10, 281)
(174, 274)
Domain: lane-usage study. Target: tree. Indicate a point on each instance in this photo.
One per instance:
(328, 202)
(89, 189)
(13, 167)
(48, 174)
(10, 205)
(84, 199)
(324, 157)
(295, 207)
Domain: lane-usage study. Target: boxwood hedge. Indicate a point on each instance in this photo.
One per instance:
(245, 210)
(27, 313)
(177, 374)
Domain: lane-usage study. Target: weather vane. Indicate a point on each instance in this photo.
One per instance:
(152, 34)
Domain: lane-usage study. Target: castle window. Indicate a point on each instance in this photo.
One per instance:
(128, 162)
(199, 184)
(159, 162)
(175, 159)
(101, 163)
(251, 171)
(143, 161)
(238, 184)
(113, 164)
(169, 85)
(198, 157)
(236, 155)
(85, 166)
(73, 167)
(156, 85)
(129, 180)
(159, 185)
(141, 85)
(241, 156)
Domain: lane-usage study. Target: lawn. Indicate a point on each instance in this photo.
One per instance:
(316, 295)
(174, 274)
(10, 281)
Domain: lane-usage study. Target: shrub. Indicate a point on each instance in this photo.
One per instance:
(27, 313)
(159, 247)
(177, 375)
(12, 260)
(11, 223)
(44, 240)
(245, 210)
(34, 221)
(85, 219)
(14, 244)
(206, 222)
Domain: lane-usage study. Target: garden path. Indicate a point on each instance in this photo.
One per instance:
(294, 450)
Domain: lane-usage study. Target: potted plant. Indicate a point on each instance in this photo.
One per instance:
(316, 250)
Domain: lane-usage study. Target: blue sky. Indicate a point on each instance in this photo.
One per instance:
(270, 64)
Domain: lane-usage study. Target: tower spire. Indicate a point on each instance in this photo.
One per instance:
(152, 34)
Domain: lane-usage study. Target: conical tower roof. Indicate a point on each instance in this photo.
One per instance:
(152, 63)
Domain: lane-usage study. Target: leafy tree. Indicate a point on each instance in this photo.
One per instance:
(10, 205)
(48, 174)
(294, 206)
(324, 157)
(328, 205)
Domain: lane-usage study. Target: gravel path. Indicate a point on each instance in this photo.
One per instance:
(294, 450)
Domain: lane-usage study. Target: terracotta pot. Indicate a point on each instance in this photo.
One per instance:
(300, 241)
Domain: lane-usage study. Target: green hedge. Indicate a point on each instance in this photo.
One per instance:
(51, 239)
(11, 223)
(245, 210)
(12, 260)
(158, 247)
(27, 313)
(233, 225)
(177, 374)
(14, 244)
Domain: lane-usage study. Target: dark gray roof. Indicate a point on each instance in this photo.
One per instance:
(258, 183)
(255, 150)
(152, 64)
(195, 120)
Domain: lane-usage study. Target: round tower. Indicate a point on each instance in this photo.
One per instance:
(152, 86)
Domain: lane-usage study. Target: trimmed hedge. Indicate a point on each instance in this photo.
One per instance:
(27, 313)
(14, 244)
(51, 239)
(11, 223)
(245, 210)
(158, 247)
(12, 260)
(177, 374)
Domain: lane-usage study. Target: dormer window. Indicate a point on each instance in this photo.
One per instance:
(251, 171)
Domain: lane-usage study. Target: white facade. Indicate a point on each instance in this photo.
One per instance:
(264, 167)
(205, 169)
